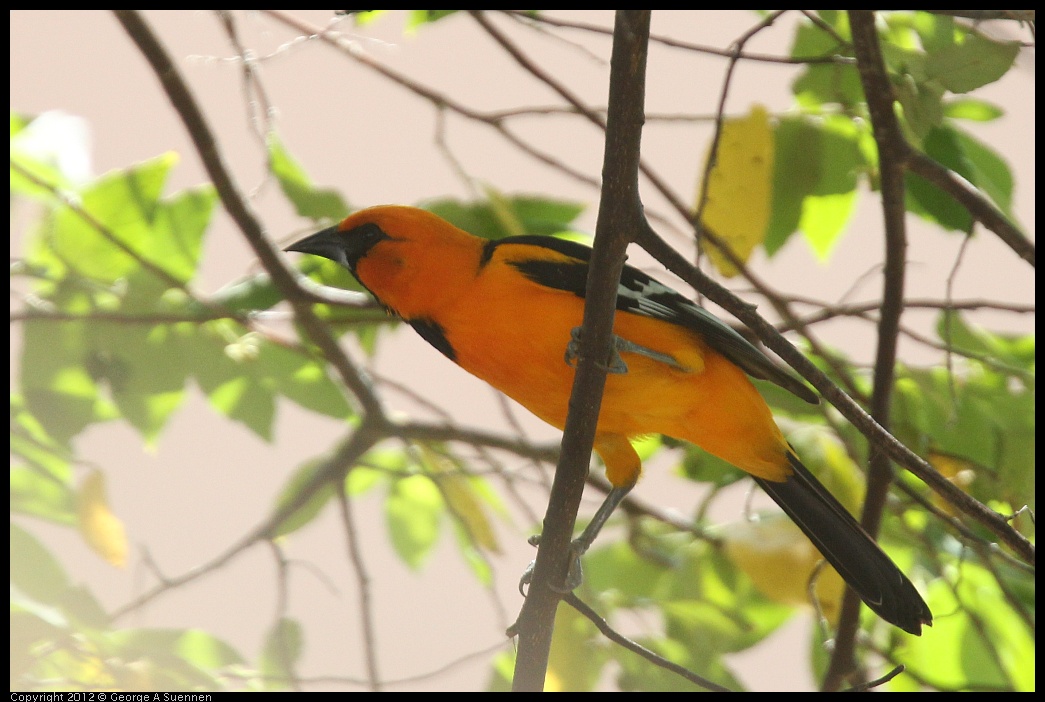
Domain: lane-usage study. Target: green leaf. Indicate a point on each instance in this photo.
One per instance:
(922, 103)
(824, 218)
(797, 165)
(41, 496)
(226, 367)
(84, 610)
(303, 380)
(626, 577)
(814, 182)
(709, 610)
(416, 18)
(972, 160)
(377, 466)
(1015, 350)
(981, 644)
(199, 648)
(986, 169)
(308, 200)
(247, 402)
(125, 203)
(244, 374)
(363, 17)
(972, 109)
(54, 380)
(701, 466)
(281, 653)
(41, 473)
(971, 64)
(638, 675)
(502, 671)
(27, 630)
(729, 613)
(361, 480)
(927, 200)
(35, 573)
(305, 479)
(175, 659)
(982, 417)
(176, 239)
(144, 368)
(206, 651)
(129, 248)
(256, 292)
(506, 216)
(18, 122)
(822, 84)
(934, 31)
(413, 510)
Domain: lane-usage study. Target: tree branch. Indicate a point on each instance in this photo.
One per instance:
(890, 144)
(207, 147)
(982, 209)
(638, 649)
(853, 412)
(620, 214)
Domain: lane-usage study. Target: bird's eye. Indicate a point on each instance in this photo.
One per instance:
(369, 232)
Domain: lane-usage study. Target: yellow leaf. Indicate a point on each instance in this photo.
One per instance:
(825, 455)
(101, 529)
(573, 661)
(958, 470)
(461, 499)
(780, 560)
(740, 188)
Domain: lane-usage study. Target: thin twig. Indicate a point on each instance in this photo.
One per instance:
(977, 204)
(678, 44)
(613, 635)
(366, 610)
(282, 645)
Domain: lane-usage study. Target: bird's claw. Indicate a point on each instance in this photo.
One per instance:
(616, 364)
(574, 576)
(527, 578)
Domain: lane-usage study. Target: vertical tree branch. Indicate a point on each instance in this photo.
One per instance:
(620, 217)
(891, 159)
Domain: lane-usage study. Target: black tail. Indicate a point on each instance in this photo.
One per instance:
(850, 549)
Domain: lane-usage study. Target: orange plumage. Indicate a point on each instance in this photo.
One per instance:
(505, 311)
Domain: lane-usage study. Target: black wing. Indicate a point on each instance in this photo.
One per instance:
(642, 295)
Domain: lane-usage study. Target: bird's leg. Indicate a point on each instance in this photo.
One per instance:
(616, 363)
(580, 545)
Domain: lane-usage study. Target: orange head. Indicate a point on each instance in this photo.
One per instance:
(386, 247)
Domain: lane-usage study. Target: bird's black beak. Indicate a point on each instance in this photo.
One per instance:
(328, 243)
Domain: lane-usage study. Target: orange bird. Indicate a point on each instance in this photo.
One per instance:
(508, 311)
